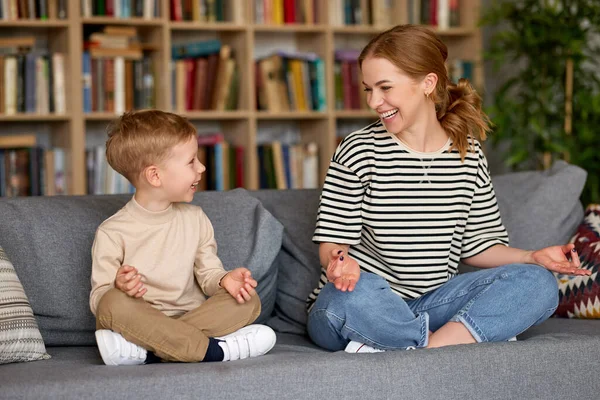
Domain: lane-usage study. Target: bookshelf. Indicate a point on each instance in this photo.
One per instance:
(242, 126)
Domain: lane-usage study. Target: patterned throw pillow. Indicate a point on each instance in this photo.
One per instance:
(580, 295)
(20, 338)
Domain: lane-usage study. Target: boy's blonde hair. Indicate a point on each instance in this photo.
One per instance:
(139, 139)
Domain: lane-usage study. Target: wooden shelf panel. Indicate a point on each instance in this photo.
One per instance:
(100, 116)
(291, 115)
(215, 115)
(217, 26)
(28, 23)
(367, 29)
(23, 117)
(292, 28)
(134, 21)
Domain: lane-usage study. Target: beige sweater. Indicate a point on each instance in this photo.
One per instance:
(175, 250)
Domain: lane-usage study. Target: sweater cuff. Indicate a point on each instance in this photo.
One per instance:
(213, 286)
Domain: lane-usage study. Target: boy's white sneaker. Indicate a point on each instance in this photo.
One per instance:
(115, 350)
(357, 347)
(249, 341)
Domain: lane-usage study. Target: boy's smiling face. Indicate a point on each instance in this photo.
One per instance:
(181, 172)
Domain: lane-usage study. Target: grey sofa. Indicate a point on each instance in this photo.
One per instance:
(48, 241)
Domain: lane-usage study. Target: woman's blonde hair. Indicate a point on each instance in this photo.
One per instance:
(417, 51)
(142, 138)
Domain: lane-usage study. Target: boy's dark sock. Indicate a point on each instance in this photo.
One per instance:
(152, 358)
(214, 352)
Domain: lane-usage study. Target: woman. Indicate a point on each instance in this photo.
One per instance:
(408, 197)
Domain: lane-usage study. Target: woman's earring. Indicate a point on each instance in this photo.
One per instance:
(427, 95)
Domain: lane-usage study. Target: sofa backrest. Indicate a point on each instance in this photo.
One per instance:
(48, 239)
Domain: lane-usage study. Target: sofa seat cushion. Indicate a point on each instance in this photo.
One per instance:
(49, 240)
(557, 359)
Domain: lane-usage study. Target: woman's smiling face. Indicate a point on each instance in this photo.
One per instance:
(396, 97)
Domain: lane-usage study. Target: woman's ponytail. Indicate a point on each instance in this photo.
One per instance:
(461, 116)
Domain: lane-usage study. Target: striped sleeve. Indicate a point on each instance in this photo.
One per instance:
(484, 225)
(339, 217)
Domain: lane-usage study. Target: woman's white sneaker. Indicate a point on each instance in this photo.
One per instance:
(249, 341)
(115, 350)
(357, 347)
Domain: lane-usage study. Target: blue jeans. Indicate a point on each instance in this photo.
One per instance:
(493, 304)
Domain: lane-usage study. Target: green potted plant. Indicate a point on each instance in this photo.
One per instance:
(548, 107)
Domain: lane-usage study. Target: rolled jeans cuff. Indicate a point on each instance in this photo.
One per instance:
(424, 341)
(471, 326)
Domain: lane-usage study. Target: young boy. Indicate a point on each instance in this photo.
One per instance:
(159, 291)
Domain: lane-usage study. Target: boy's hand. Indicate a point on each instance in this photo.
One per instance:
(128, 280)
(240, 284)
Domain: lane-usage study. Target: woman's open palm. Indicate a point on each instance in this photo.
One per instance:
(560, 259)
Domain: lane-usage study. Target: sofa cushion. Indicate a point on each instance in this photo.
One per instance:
(296, 369)
(298, 260)
(50, 238)
(20, 338)
(579, 296)
(541, 208)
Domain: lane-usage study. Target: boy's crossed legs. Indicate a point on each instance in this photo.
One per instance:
(197, 335)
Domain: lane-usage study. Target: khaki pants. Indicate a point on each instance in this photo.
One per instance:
(183, 338)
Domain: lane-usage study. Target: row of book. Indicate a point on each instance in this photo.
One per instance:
(116, 85)
(349, 93)
(280, 12)
(29, 170)
(11, 10)
(205, 11)
(285, 166)
(290, 81)
(121, 8)
(441, 13)
(224, 164)
(204, 76)
(458, 68)
(117, 74)
(32, 83)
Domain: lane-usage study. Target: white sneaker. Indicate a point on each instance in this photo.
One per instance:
(512, 339)
(357, 347)
(249, 341)
(115, 350)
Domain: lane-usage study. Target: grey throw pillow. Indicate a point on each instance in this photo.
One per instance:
(20, 338)
(541, 208)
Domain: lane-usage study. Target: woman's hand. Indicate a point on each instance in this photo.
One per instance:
(342, 271)
(561, 259)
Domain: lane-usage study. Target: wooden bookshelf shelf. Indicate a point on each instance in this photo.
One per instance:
(21, 117)
(216, 26)
(133, 21)
(97, 116)
(294, 28)
(291, 115)
(215, 115)
(35, 24)
(248, 41)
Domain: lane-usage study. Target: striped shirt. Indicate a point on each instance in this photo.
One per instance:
(408, 216)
